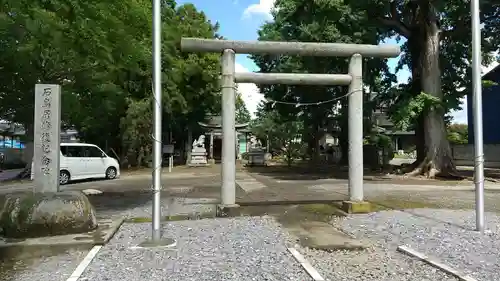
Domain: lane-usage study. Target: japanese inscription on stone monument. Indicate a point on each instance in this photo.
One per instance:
(47, 137)
(45, 134)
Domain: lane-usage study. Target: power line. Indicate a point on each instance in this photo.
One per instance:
(299, 104)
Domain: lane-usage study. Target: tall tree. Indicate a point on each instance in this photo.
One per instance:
(316, 21)
(458, 133)
(100, 52)
(242, 113)
(284, 135)
(438, 53)
(62, 42)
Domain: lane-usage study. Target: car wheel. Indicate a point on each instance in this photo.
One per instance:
(110, 173)
(64, 177)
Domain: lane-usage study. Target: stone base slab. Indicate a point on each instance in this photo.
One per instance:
(356, 207)
(100, 236)
(228, 210)
(323, 236)
(198, 164)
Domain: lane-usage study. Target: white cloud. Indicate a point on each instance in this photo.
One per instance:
(263, 8)
(249, 92)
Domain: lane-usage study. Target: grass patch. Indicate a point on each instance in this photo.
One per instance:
(310, 212)
(389, 203)
(402, 156)
(292, 214)
(322, 209)
(172, 218)
(138, 220)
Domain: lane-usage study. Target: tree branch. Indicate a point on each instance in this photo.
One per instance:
(465, 24)
(394, 21)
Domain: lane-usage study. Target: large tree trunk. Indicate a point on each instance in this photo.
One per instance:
(438, 158)
(415, 46)
(420, 138)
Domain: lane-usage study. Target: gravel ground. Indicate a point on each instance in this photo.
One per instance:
(50, 266)
(59, 265)
(377, 264)
(245, 248)
(444, 234)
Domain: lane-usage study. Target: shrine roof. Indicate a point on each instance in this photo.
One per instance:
(215, 122)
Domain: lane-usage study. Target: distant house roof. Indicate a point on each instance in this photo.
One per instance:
(215, 122)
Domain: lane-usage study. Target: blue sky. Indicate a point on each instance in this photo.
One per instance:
(241, 19)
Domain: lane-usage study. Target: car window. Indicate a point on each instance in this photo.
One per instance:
(92, 151)
(72, 151)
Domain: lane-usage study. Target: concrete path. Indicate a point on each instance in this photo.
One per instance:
(126, 182)
(322, 236)
(453, 195)
(256, 187)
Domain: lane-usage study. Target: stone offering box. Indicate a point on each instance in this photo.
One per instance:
(198, 158)
(257, 157)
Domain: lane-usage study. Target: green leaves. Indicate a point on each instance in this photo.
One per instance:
(283, 135)
(488, 83)
(458, 134)
(310, 21)
(242, 113)
(406, 113)
(136, 126)
(100, 51)
(316, 21)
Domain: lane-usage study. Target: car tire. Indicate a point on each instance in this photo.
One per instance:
(64, 177)
(110, 173)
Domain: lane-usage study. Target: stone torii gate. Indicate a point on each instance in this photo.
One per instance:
(353, 79)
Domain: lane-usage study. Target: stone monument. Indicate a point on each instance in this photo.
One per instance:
(198, 153)
(46, 211)
(47, 131)
(256, 154)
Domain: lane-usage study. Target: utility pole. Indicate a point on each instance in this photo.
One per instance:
(478, 115)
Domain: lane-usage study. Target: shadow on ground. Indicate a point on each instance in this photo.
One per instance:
(17, 259)
(120, 200)
(306, 171)
(488, 172)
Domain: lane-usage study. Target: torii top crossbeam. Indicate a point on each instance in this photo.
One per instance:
(289, 48)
